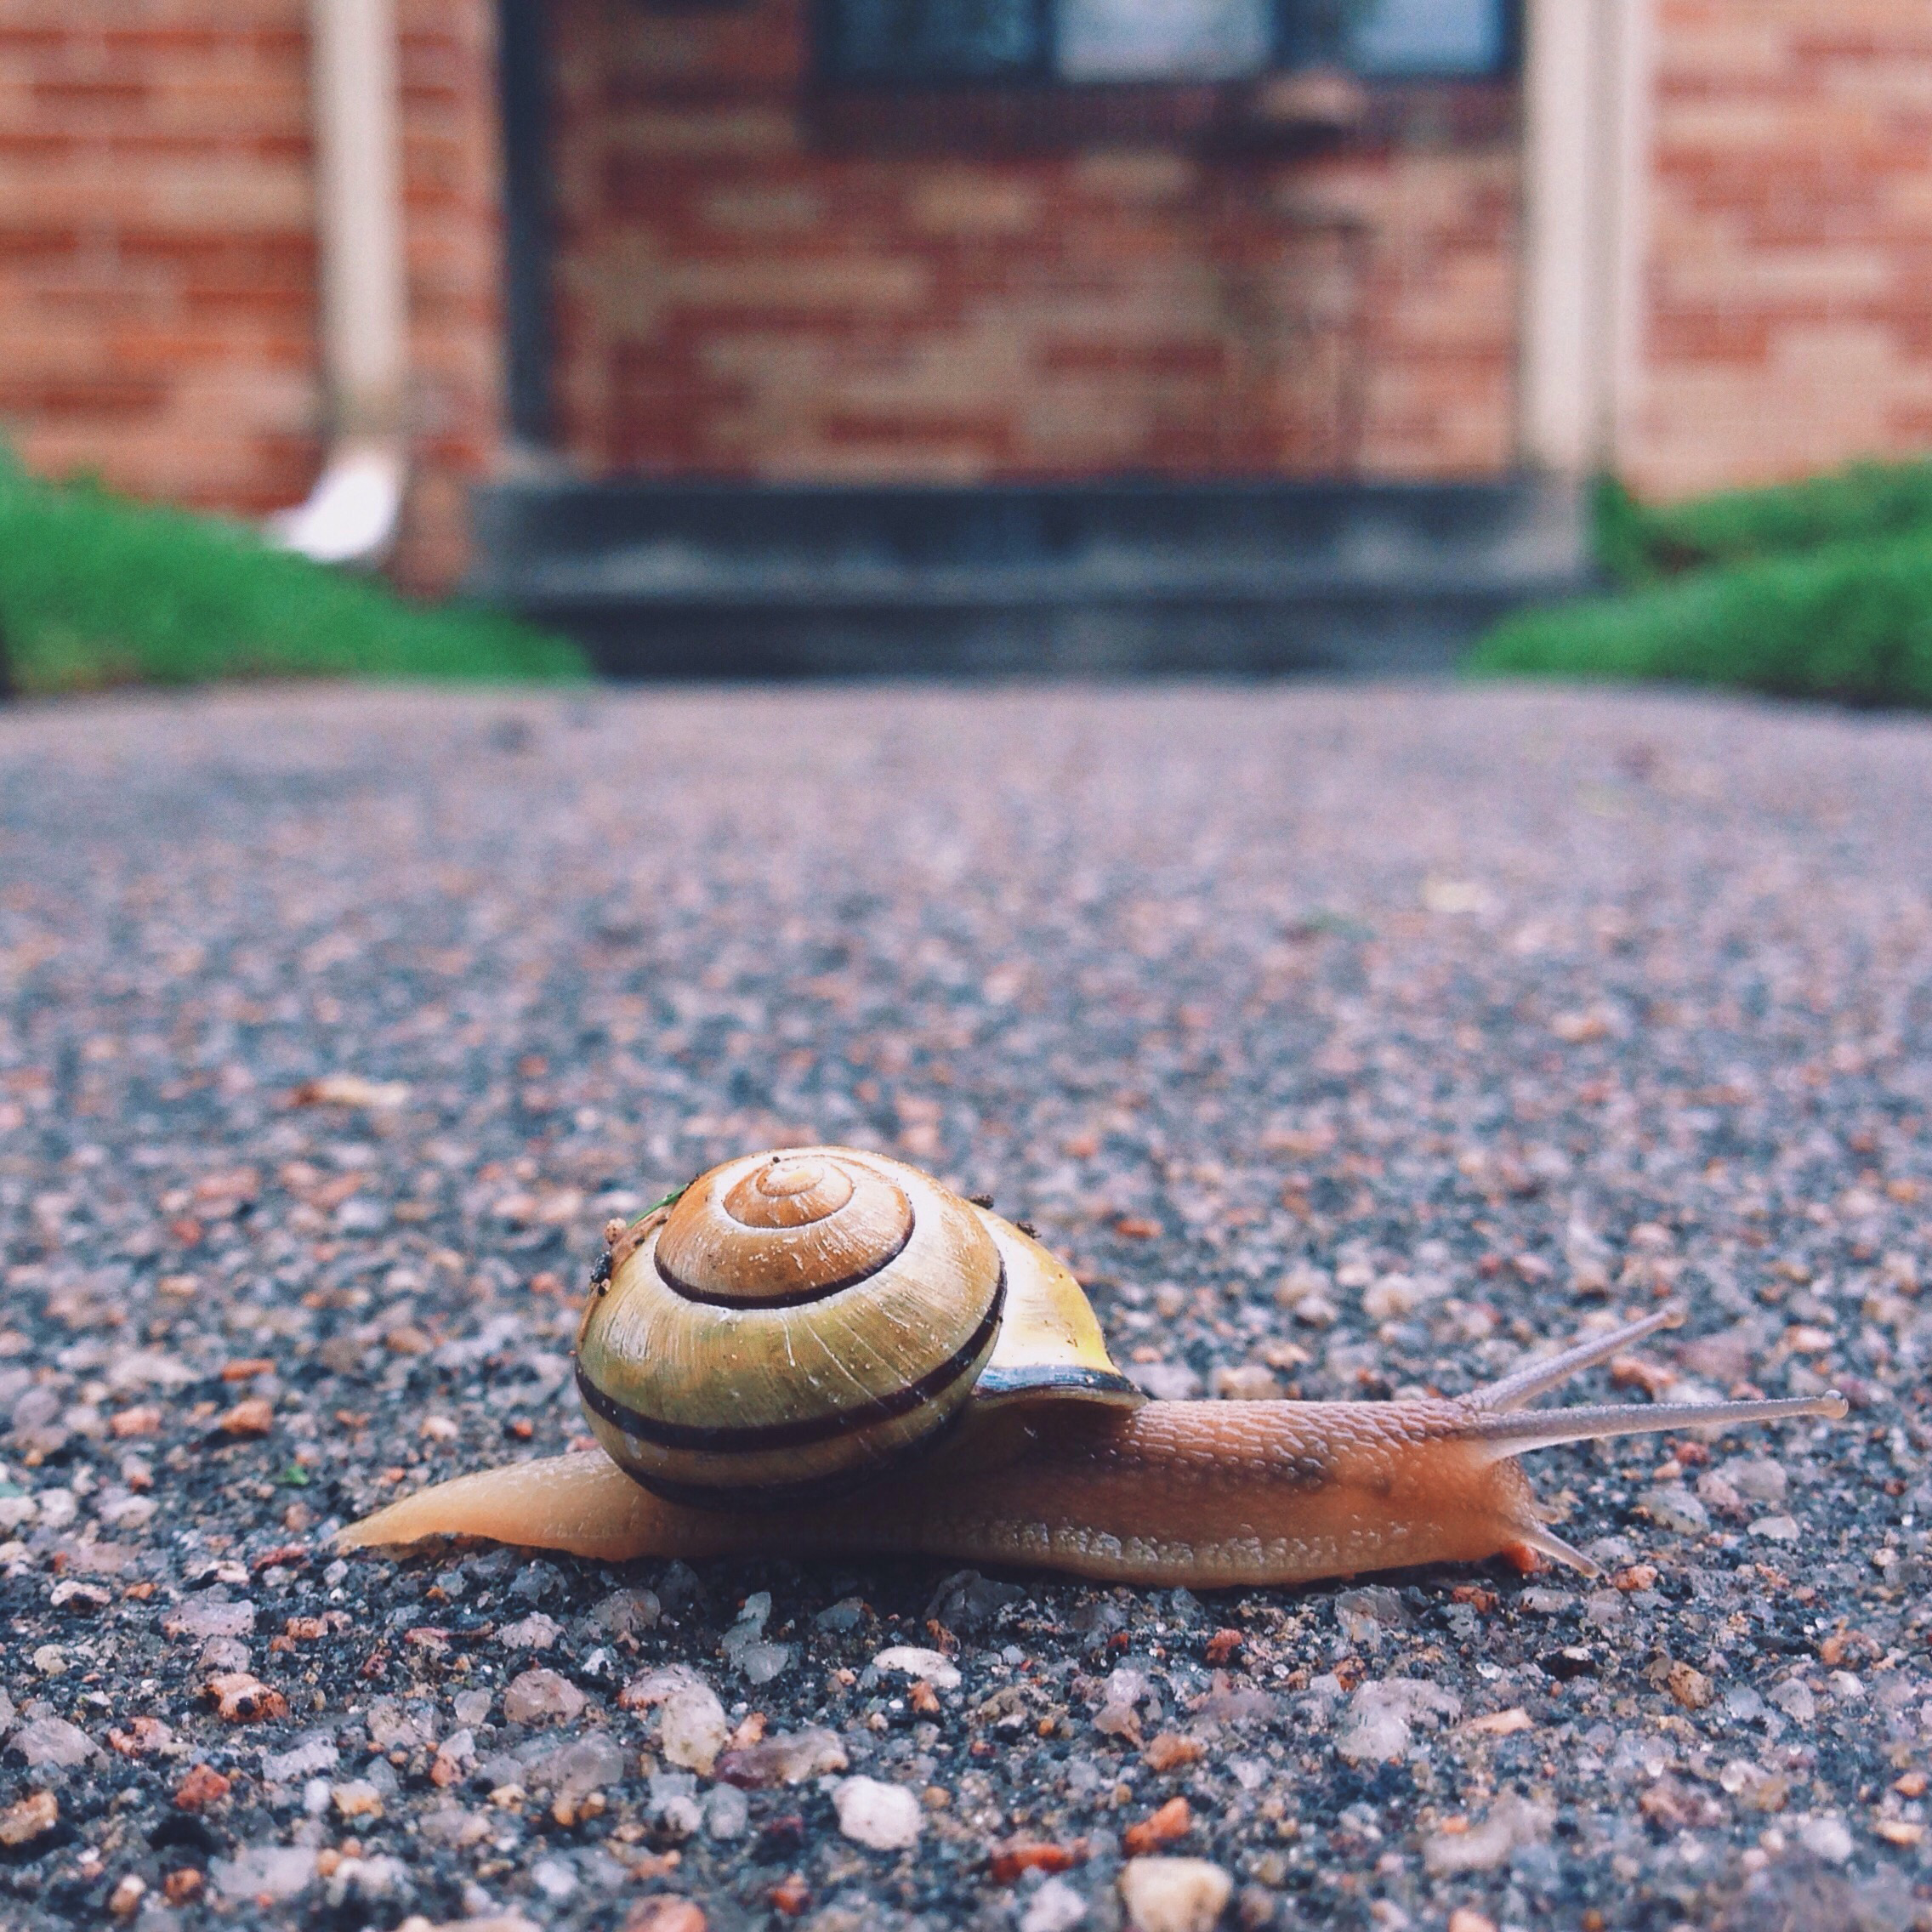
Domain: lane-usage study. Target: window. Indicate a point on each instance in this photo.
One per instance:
(925, 42)
(1161, 40)
(933, 40)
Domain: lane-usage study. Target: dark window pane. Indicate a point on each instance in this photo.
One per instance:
(1429, 37)
(935, 40)
(1394, 37)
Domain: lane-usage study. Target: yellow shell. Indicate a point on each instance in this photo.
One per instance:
(800, 1319)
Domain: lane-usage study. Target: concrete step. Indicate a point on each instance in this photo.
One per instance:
(720, 580)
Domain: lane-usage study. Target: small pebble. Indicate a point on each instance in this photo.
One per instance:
(240, 1698)
(908, 1660)
(209, 1614)
(885, 1816)
(1056, 1906)
(1383, 1712)
(554, 1878)
(786, 1756)
(29, 1818)
(536, 1632)
(1173, 1894)
(1512, 1822)
(691, 1729)
(727, 1812)
(665, 1913)
(1827, 1838)
(52, 1744)
(538, 1696)
(254, 1416)
(264, 1870)
(202, 1787)
(1795, 1698)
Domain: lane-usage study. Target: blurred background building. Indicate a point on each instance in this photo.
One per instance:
(714, 314)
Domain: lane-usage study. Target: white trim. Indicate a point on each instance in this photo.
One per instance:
(351, 515)
(1588, 68)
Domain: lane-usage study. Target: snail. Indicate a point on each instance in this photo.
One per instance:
(819, 1351)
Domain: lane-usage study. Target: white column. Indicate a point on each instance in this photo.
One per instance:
(1587, 81)
(358, 212)
(351, 515)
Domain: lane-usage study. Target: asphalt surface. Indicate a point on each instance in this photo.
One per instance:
(1349, 1043)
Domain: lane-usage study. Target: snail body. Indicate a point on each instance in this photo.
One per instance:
(824, 1352)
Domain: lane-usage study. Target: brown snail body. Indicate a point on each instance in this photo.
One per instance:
(1024, 1445)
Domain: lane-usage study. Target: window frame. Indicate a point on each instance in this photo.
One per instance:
(1296, 41)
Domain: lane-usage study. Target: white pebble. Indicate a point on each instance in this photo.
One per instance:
(554, 1879)
(727, 1812)
(1381, 1713)
(1511, 1821)
(377, 1878)
(679, 1817)
(536, 1632)
(1776, 1529)
(1056, 1907)
(273, 1871)
(1673, 1506)
(692, 1729)
(910, 1661)
(357, 1798)
(759, 1664)
(52, 1742)
(1393, 1296)
(209, 1614)
(1758, 1478)
(537, 1694)
(885, 1816)
(57, 1506)
(1827, 1838)
(1173, 1894)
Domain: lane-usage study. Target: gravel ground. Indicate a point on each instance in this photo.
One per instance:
(1350, 1043)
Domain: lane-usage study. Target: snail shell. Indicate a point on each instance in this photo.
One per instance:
(797, 1321)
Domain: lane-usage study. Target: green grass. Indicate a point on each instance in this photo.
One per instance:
(96, 591)
(1851, 622)
(1640, 543)
(1821, 589)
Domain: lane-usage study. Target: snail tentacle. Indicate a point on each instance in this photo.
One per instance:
(1518, 1434)
(1523, 1385)
(1503, 1420)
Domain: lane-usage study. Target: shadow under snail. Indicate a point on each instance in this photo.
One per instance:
(819, 1351)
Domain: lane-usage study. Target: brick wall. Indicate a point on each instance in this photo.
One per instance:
(158, 311)
(1789, 290)
(734, 300)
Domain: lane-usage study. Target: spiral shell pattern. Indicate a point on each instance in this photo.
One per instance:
(797, 1321)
